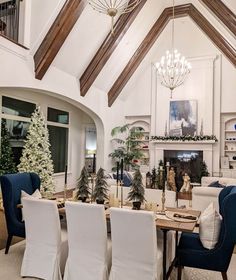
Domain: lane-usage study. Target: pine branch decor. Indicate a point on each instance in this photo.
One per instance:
(83, 190)
(36, 155)
(101, 187)
(7, 164)
(137, 189)
(185, 138)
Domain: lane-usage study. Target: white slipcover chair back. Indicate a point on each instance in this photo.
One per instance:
(43, 240)
(134, 245)
(87, 239)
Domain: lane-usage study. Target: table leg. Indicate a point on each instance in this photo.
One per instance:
(164, 253)
(175, 258)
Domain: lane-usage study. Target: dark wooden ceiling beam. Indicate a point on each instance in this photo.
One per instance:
(180, 11)
(107, 48)
(223, 13)
(57, 35)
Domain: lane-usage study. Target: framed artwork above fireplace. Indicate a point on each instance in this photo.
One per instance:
(183, 117)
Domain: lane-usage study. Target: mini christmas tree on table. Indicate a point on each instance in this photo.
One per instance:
(36, 155)
(101, 187)
(7, 164)
(83, 190)
(136, 193)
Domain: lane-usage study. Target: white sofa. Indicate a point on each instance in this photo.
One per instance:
(151, 195)
(204, 195)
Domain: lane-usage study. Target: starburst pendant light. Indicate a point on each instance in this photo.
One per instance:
(173, 68)
(113, 8)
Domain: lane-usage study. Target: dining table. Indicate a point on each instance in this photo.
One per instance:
(165, 221)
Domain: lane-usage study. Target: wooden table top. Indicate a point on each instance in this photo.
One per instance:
(164, 223)
(179, 226)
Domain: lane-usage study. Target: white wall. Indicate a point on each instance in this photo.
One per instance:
(78, 121)
(219, 79)
(42, 15)
(136, 96)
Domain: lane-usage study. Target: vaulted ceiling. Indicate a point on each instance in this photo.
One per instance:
(80, 44)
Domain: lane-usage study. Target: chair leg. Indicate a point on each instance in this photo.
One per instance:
(224, 275)
(179, 272)
(9, 239)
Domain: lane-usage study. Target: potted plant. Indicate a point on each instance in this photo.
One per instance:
(83, 190)
(136, 194)
(100, 188)
(128, 145)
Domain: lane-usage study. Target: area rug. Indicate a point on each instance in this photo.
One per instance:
(10, 266)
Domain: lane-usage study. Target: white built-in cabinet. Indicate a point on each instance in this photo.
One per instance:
(144, 142)
(228, 147)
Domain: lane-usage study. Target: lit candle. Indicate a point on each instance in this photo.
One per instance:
(117, 172)
(94, 163)
(121, 170)
(66, 175)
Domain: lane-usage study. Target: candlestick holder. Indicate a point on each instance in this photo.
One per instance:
(121, 194)
(93, 176)
(65, 192)
(163, 200)
(117, 188)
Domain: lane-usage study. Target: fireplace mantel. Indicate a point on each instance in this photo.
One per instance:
(159, 146)
(183, 142)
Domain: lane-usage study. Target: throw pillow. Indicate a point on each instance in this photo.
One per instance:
(36, 194)
(127, 179)
(216, 184)
(209, 227)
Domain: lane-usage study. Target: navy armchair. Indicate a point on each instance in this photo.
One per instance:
(190, 251)
(11, 185)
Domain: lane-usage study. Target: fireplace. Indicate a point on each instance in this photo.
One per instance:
(185, 161)
(204, 150)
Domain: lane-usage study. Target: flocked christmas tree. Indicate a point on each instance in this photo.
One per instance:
(101, 187)
(137, 189)
(36, 155)
(7, 164)
(83, 190)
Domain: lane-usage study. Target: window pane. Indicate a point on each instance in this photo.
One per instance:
(59, 116)
(58, 137)
(18, 131)
(17, 107)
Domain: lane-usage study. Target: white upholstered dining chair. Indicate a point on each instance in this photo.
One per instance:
(88, 256)
(46, 244)
(134, 245)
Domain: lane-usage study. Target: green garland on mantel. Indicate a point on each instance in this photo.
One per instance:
(185, 138)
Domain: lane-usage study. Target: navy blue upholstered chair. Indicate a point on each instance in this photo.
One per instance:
(190, 251)
(11, 185)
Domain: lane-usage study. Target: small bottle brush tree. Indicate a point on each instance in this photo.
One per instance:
(136, 193)
(83, 190)
(36, 155)
(101, 187)
(7, 164)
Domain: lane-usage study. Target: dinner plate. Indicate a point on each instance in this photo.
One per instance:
(181, 219)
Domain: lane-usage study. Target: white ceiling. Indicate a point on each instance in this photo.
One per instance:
(91, 29)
